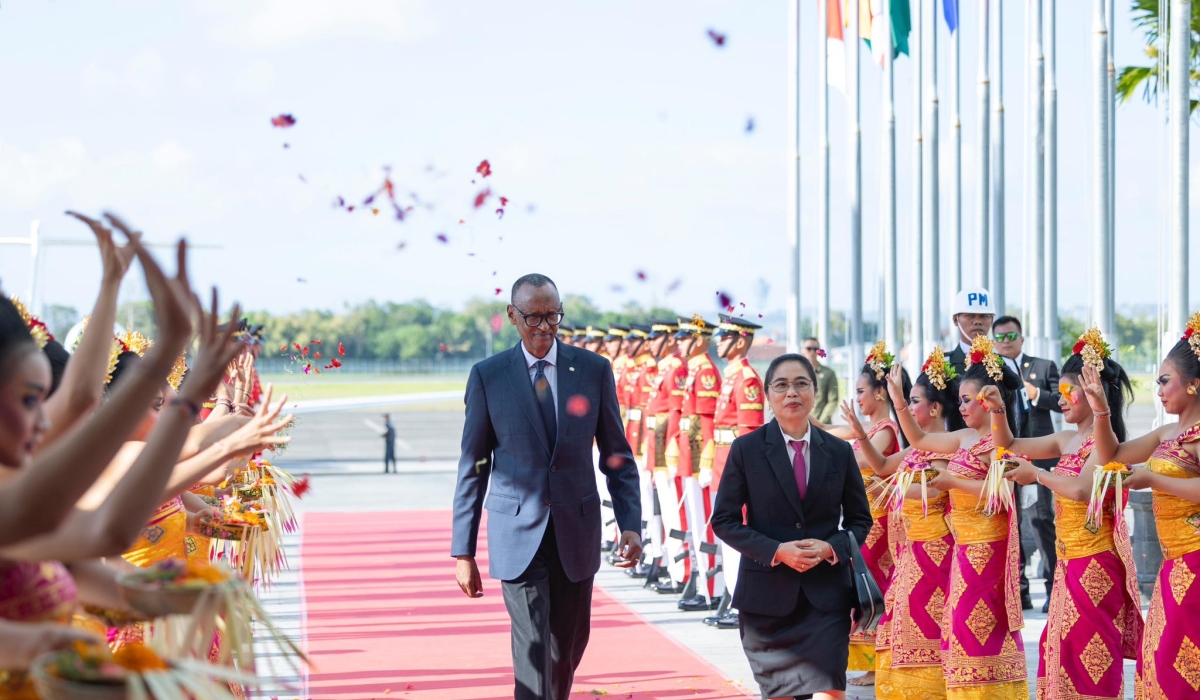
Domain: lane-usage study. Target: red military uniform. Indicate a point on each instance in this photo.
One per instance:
(662, 411)
(701, 391)
(739, 410)
(640, 380)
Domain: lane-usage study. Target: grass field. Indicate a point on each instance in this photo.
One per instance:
(300, 387)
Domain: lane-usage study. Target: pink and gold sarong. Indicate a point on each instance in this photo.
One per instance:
(982, 652)
(908, 640)
(1169, 666)
(1095, 617)
(876, 551)
(33, 592)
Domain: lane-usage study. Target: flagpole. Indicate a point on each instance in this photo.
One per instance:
(933, 267)
(823, 196)
(1101, 282)
(1053, 348)
(1179, 84)
(1034, 257)
(956, 159)
(852, 93)
(1027, 255)
(982, 253)
(793, 150)
(1112, 163)
(887, 207)
(997, 288)
(916, 49)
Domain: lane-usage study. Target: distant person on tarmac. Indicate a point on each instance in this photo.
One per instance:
(389, 443)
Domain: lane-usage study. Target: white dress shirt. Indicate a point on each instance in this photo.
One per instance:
(551, 370)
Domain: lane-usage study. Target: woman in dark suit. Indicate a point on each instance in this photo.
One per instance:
(799, 487)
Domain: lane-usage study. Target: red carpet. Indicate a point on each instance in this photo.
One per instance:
(385, 619)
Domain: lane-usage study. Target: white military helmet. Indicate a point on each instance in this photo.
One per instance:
(973, 300)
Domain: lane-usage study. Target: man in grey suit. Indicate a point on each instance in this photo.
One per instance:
(533, 414)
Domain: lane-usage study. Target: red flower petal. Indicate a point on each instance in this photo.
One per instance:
(499, 213)
(481, 198)
(283, 121)
(504, 201)
(640, 275)
(578, 405)
(316, 355)
(498, 290)
(724, 299)
(717, 37)
(484, 169)
(441, 237)
(341, 350)
(301, 487)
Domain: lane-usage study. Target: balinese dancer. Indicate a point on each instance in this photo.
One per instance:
(982, 652)
(1095, 617)
(1169, 665)
(908, 640)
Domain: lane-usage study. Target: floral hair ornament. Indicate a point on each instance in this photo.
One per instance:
(983, 352)
(880, 360)
(1067, 390)
(1092, 348)
(175, 378)
(1192, 334)
(135, 342)
(938, 369)
(37, 329)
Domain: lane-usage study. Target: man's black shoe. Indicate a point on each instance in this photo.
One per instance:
(698, 603)
(728, 621)
(667, 587)
(1026, 602)
(711, 621)
(638, 571)
(1046, 606)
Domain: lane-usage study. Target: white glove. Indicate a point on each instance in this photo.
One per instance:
(1029, 495)
(705, 478)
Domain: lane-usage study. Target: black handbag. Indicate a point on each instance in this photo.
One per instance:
(868, 596)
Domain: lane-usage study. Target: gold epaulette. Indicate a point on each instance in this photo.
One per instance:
(748, 372)
(708, 394)
(750, 407)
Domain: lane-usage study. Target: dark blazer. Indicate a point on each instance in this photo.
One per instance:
(504, 441)
(958, 359)
(759, 477)
(1044, 375)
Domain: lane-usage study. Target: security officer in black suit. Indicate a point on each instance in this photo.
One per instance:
(1033, 408)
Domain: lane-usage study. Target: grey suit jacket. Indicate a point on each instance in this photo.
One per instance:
(504, 441)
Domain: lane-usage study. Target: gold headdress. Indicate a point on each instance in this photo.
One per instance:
(135, 342)
(37, 329)
(983, 351)
(938, 369)
(1093, 349)
(175, 378)
(880, 360)
(1192, 334)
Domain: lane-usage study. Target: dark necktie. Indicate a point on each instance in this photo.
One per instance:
(545, 399)
(799, 467)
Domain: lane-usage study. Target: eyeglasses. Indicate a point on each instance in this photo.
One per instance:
(535, 320)
(1007, 337)
(782, 386)
(812, 349)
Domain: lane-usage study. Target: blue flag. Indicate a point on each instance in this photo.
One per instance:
(950, 10)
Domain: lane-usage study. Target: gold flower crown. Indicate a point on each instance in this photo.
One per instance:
(135, 342)
(880, 360)
(983, 351)
(175, 378)
(938, 369)
(37, 329)
(1192, 334)
(1092, 348)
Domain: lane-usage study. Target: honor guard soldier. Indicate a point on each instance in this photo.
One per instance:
(615, 347)
(701, 388)
(565, 333)
(739, 411)
(593, 339)
(578, 336)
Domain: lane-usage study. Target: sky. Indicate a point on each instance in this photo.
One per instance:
(618, 132)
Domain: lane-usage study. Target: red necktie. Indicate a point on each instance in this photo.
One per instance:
(799, 467)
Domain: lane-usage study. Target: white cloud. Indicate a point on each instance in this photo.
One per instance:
(27, 178)
(276, 23)
(143, 73)
(170, 156)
